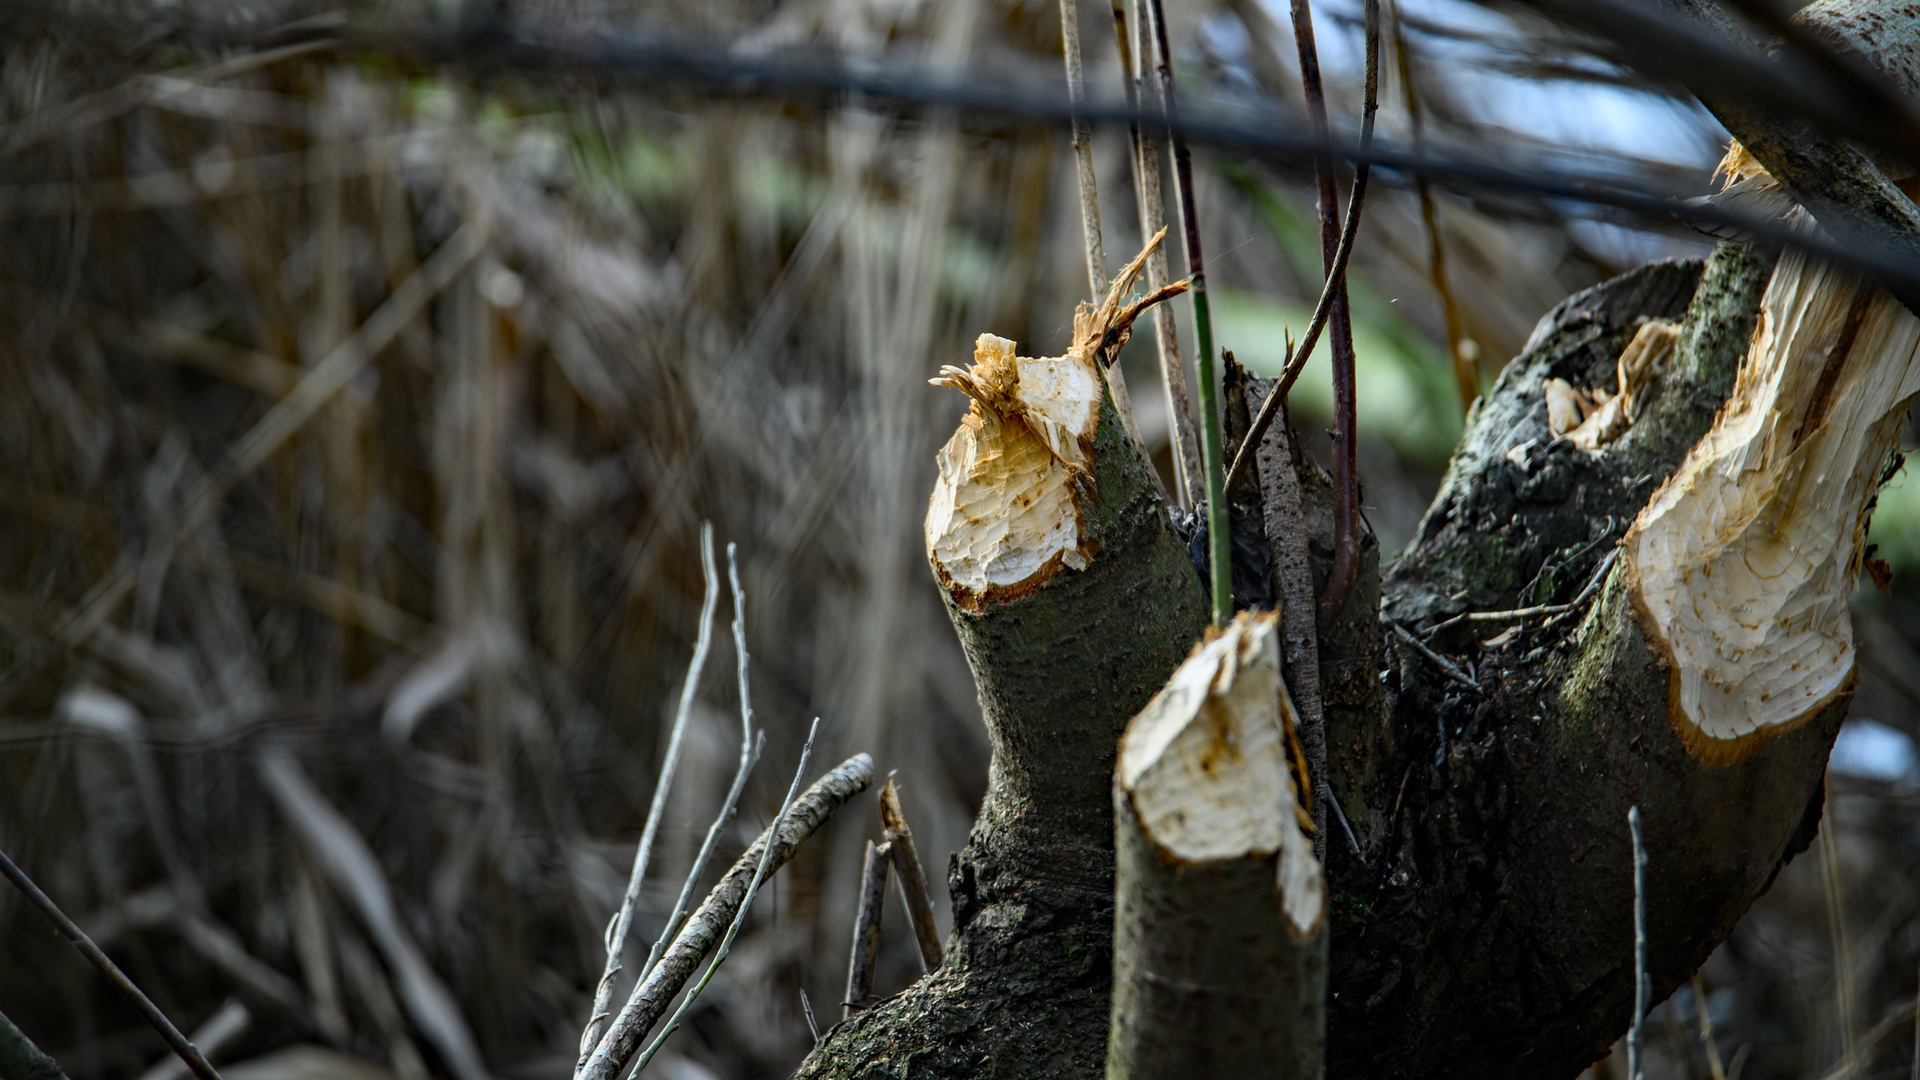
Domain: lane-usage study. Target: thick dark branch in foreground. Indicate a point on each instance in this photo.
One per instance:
(649, 63)
(20, 1059)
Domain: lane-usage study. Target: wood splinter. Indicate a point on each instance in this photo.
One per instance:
(866, 928)
(913, 877)
(1007, 510)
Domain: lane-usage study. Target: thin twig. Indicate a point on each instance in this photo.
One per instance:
(657, 989)
(813, 1025)
(1636, 1036)
(1341, 813)
(1346, 475)
(1333, 289)
(188, 1053)
(1090, 225)
(1465, 376)
(1707, 1042)
(1220, 542)
(866, 928)
(750, 744)
(1447, 667)
(760, 872)
(1083, 153)
(1146, 189)
(1594, 581)
(913, 877)
(623, 918)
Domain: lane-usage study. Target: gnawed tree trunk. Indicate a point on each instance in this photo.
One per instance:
(1220, 965)
(1481, 914)
(1074, 601)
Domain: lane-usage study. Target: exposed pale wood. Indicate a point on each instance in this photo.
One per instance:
(1219, 901)
(1742, 563)
(1206, 767)
(1006, 512)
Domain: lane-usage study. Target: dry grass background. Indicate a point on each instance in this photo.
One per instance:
(356, 426)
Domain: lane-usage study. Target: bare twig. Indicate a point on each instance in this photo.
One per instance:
(750, 744)
(188, 1053)
(1333, 289)
(866, 928)
(1090, 224)
(1134, 63)
(1707, 1042)
(230, 1021)
(1465, 376)
(1341, 813)
(1594, 581)
(760, 872)
(623, 918)
(813, 1025)
(1083, 153)
(1636, 1036)
(1219, 541)
(1447, 667)
(913, 877)
(1346, 477)
(656, 991)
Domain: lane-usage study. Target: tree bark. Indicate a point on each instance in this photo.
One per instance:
(1220, 962)
(1060, 670)
(1490, 934)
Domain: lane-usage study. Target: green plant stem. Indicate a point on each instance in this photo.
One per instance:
(1212, 461)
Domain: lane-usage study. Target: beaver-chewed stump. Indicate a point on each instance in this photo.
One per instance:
(1630, 591)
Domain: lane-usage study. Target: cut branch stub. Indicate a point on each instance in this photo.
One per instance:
(1741, 565)
(1062, 657)
(1007, 511)
(1208, 766)
(1005, 514)
(1219, 901)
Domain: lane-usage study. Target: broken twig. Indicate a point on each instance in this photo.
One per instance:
(760, 871)
(866, 928)
(623, 918)
(1447, 667)
(658, 988)
(750, 746)
(188, 1052)
(913, 877)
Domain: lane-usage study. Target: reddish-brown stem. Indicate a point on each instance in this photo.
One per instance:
(1346, 480)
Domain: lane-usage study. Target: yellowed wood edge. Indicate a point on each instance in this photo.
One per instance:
(1705, 747)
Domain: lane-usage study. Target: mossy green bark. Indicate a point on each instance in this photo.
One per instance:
(1024, 986)
(1491, 933)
